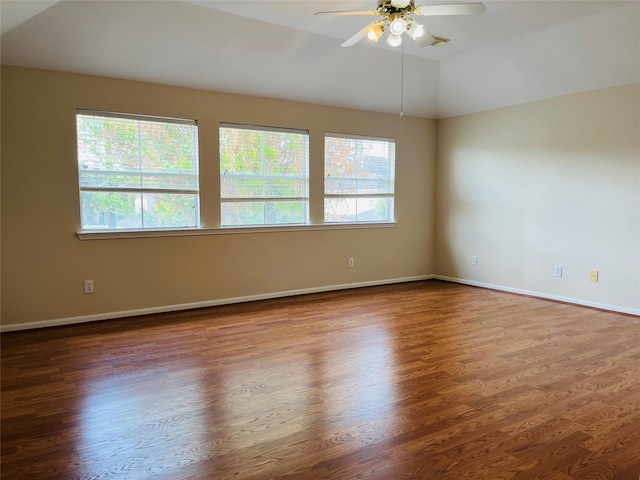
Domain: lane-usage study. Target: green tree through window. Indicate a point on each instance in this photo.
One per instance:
(359, 179)
(264, 175)
(137, 172)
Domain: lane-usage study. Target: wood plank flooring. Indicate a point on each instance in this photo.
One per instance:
(424, 380)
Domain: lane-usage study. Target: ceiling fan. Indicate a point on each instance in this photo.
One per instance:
(396, 19)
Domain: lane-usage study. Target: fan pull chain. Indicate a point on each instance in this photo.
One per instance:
(402, 82)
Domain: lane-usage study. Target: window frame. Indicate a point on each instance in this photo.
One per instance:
(142, 190)
(199, 229)
(390, 180)
(304, 178)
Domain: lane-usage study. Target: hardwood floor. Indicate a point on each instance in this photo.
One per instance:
(425, 380)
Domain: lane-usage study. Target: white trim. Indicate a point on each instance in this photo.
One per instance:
(263, 128)
(262, 199)
(136, 116)
(366, 138)
(208, 303)
(189, 232)
(547, 296)
(358, 195)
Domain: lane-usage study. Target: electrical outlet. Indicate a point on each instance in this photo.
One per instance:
(474, 260)
(557, 270)
(350, 262)
(88, 286)
(593, 276)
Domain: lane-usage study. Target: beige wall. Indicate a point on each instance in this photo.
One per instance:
(44, 263)
(524, 188)
(554, 182)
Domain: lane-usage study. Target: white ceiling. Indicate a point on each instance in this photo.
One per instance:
(517, 51)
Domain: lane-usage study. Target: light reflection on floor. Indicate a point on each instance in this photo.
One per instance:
(213, 420)
(142, 420)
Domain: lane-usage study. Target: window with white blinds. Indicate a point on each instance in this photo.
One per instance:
(359, 179)
(264, 175)
(137, 172)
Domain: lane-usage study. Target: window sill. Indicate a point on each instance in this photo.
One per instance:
(190, 232)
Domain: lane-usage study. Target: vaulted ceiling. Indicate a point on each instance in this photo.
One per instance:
(517, 51)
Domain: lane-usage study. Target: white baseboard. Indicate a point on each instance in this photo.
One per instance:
(304, 291)
(208, 303)
(576, 301)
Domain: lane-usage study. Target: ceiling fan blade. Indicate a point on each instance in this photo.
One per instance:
(437, 41)
(348, 12)
(358, 36)
(453, 9)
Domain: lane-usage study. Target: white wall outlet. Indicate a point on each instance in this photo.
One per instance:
(593, 276)
(557, 270)
(351, 262)
(88, 286)
(474, 260)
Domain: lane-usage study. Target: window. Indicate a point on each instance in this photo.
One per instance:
(264, 175)
(359, 179)
(137, 172)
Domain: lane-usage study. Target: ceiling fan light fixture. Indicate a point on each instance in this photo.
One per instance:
(397, 26)
(396, 16)
(419, 34)
(375, 32)
(394, 40)
(415, 30)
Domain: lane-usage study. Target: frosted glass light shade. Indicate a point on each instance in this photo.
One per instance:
(397, 26)
(394, 40)
(375, 32)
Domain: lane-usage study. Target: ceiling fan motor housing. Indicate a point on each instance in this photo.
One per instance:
(387, 9)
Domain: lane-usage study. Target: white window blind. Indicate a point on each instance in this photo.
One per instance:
(264, 175)
(137, 172)
(359, 179)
